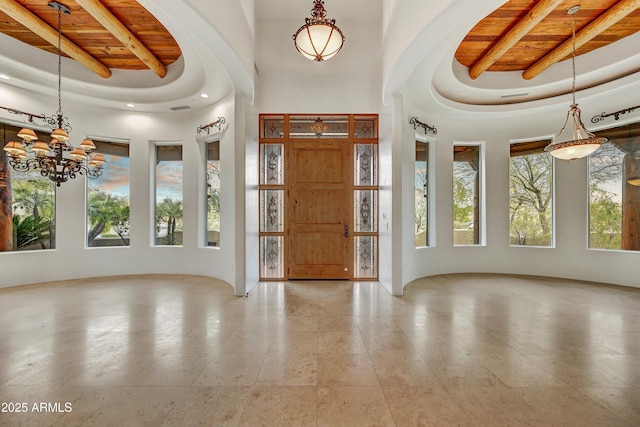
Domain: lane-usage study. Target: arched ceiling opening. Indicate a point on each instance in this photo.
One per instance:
(115, 53)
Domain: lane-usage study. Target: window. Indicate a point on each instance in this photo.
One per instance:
(422, 194)
(466, 194)
(27, 204)
(366, 191)
(614, 191)
(272, 192)
(213, 193)
(108, 204)
(168, 212)
(530, 195)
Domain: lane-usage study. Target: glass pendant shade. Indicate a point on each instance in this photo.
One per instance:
(576, 141)
(318, 39)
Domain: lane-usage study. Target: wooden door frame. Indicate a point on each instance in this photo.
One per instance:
(279, 133)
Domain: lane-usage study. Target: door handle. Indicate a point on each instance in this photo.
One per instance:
(346, 231)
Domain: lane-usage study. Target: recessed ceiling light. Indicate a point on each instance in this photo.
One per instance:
(5, 77)
(204, 95)
(514, 95)
(130, 105)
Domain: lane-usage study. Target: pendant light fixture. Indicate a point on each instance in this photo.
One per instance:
(318, 39)
(576, 142)
(50, 159)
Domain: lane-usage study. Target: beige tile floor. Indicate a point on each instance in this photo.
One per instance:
(460, 350)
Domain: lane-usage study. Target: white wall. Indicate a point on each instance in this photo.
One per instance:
(72, 260)
(289, 83)
(569, 259)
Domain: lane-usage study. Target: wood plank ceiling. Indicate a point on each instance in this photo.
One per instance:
(531, 35)
(103, 35)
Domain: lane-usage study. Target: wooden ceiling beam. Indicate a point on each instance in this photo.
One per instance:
(122, 33)
(513, 36)
(608, 18)
(24, 16)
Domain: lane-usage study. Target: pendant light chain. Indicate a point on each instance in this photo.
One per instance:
(59, 112)
(573, 59)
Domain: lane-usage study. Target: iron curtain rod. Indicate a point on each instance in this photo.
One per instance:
(415, 122)
(218, 123)
(616, 115)
(23, 113)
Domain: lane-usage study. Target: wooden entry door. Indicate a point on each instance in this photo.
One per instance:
(319, 210)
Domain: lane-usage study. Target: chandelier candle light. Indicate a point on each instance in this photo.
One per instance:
(579, 142)
(50, 158)
(319, 38)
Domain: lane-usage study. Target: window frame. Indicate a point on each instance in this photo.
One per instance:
(203, 205)
(102, 140)
(430, 214)
(481, 209)
(154, 185)
(43, 132)
(531, 147)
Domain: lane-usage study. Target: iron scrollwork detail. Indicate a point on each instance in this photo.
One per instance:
(427, 128)
(616, 115)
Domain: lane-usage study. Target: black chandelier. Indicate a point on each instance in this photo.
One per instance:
(50, 159)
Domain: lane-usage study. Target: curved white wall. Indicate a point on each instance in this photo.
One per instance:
(569, 259)
(70, 259)
(352, 82)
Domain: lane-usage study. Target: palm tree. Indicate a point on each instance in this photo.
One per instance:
(36, 197)
(169, 211)
(26, 231)
(106, 211)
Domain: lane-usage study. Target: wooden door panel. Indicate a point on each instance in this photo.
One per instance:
(314, 207)
(319, 165)
(318, 249)
(319, 210)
